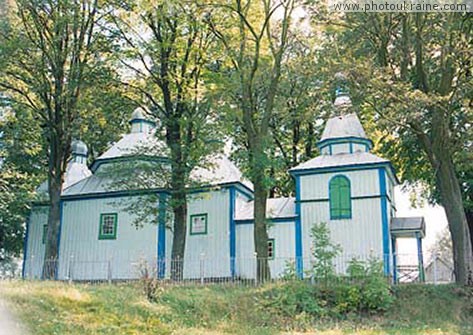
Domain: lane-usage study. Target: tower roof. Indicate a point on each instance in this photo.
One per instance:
(79, 148)
(343, 126)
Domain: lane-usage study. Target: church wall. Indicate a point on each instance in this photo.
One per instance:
(359, 236)
(284, 251)
(84, 256)
(340, 148)
(35, 246)
(209, 253)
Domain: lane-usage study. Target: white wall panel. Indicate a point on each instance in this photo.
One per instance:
(35, 247)
(84, 257)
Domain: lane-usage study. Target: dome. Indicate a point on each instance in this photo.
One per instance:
(79, 148)
(139, 114)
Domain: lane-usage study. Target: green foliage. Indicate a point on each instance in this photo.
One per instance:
(365, 290)
(324, 252)
(59, 308)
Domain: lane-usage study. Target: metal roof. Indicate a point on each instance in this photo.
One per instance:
(144, 144)
(408, 226)
(75, 172)
(343, 126)
(276, 208)
(342, 159)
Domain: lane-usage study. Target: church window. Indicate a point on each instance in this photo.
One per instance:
(198, 224)
(45, 233)
(340, 198)
(108, 226)
(271, 248)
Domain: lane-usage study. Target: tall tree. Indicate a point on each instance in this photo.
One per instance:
(414, 70)
(167, 47)
(254, 36)
(46, 54)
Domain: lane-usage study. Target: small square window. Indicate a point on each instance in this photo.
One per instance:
(108, 226)
(45, 233)
(198, 224)
(271, 248)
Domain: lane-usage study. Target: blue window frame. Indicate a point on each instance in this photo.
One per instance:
(340, 198)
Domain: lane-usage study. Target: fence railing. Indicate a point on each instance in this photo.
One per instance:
(247, 271)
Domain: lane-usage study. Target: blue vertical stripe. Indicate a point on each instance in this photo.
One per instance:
(25, 245)
(329, 150)
(420, 258)
(298, 230)
(384, 219)
(351, 147)
(161, 236)
(56, 273)
(232, 229)
(394, 251)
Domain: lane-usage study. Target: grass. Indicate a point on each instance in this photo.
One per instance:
(58, 308)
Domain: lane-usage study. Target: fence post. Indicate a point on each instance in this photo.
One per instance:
(256, 269)
(71, 262)
(109, 270)
(202, 268)
(435, 268)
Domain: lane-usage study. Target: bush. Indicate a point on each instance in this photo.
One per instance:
(367, 292)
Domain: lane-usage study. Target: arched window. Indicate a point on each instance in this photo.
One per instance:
(340, 198)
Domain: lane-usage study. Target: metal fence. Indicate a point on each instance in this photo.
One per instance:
(244, 271)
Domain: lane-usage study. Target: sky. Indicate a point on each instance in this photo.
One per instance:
(435, 221)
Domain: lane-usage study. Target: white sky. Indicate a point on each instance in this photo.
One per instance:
(435, 221)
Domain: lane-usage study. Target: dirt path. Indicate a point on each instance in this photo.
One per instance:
(9, 324)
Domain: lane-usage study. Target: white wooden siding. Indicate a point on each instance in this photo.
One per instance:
(214, 247)
(284, 238)
(35, 247)
(84, 256)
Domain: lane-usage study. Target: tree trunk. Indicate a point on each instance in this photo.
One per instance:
(178, 198)
(257, 162)
(260, 232)
(469, 219)
(55, 182)
(451, 199)
(179, 206)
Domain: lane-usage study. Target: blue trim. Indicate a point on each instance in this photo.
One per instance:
(420, 258)
(142, 121)
(329, 150)
(25, 244)
(341, 168)
(132, 157)
(351, 147)
(232, 229)
(394, 251)
(339, 140)
(244, 192)
(129, 193)
(61, 210)
(298, 231)
(161, 249)
(274, 220)
(340, 217)
(384, 219)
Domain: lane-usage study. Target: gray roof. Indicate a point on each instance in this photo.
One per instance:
(145, 144)
(343, 126)
(79, 148)
(75, 172)
(342, 159)
(408, 227)
(275, 208)
(220, 170)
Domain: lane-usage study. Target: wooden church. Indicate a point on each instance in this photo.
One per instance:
(346, 186)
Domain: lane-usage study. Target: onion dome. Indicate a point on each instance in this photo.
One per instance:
(140, 122)
(79, 151)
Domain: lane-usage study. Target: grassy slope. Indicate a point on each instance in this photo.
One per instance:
(55, 308)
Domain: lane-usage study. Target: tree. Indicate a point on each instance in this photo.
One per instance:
(254, 41)
(414, 72)
(168, 48)
(47, 54)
